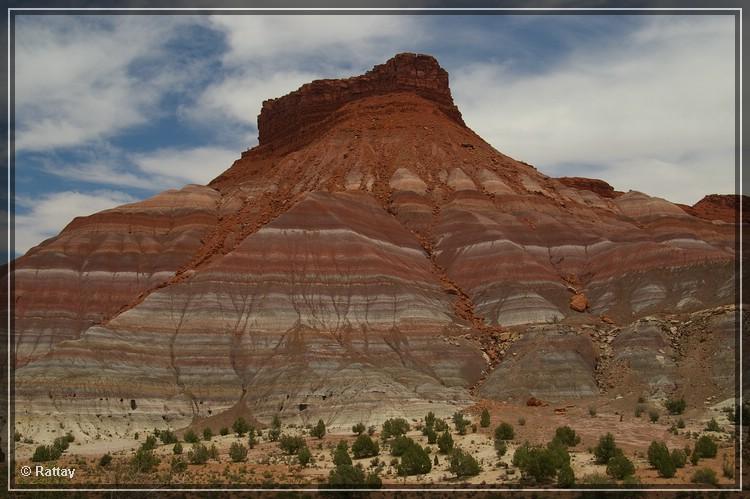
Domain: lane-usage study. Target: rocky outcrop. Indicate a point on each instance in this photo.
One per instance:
(304, 109)
(723, 207)
(366, 260)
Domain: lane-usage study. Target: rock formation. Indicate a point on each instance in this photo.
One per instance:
(371, 257)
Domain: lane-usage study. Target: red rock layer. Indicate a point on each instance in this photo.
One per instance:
(289, 117)
(594, 185)
(98, 264)
(724, 207)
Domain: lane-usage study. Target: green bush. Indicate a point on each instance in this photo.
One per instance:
(705, 447)
(713, 425)
(198, 454)
(620, 466)
(565, 477)
(207, 434)
(429, 419)
(275, 431)
(394, 428)
(660, 458)
(431, 435)
(237, 452)
(358, 428)
(144, 461)
(592, 411)
(319, 430)
(679, 458)
(460, 422)
(500, 448)
(680, 423)
(191, 437)
(149, 443)
(675, 406)
(504, 432)
(167, 437)
(567, 436)
(105, 460)
(463, 464)
(445, 442)
(240, 426)
(291, 444)
(178, 465)
(653, 415)
(252, 439)
(177, 449)
(364, 446)
(400, 444)
(224, 431)
(606, 449)
(484, 420)
(414, 461)
(348, 476)
(341, 454)
(304, 456)
(705, 475)
(537, 462)
(46, 453)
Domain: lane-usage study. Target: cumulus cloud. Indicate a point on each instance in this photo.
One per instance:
(47, 215)
(75, 79)
(653, 112)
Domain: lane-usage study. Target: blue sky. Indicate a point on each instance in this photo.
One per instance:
(112, 109)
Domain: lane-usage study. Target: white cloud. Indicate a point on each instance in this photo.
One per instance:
(196, 166)
(74, 81)
(48, 214)
(654, 113)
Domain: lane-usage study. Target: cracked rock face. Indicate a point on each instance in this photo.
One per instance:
(362, 262)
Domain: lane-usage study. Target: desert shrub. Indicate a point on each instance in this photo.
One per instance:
(291, 444)
(558, 453)
(178, 465)
(207, 434)
(620, 466)
(69, 437)
(144, 461)
(653, 415)
(224, 431)
(341, 454)
(680, 423)
(105, 460)
(460, 423)
(400, 444)
(149, 443)
(431, 435)
(358, 428)
(213, 452)
(605, 449)
(237, 452)
(394, 427)
(252, 439)
(319, 430)
(705, 447)
(596, 480)
(484, 419)
(660, 458)
(275, 431)
(567, 436)
(191, 437)
(304, 456)
(727, 467)
(592, 411)
(504, 432)
(348, 476)
(713, 425)
(45, 453)
(639, 410)
(177, 449)
(17, 436)
(240, 426)
(198, 454)
(679, 458)
(445, 442)
(414, 461)
(167, 437)
(521, 421)
(537, 462)
(429, 419)
(364, 446)
(500, 448)
(565, 477)
(675, 406)
(371, 430)
(463, 464)
(705, 475)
